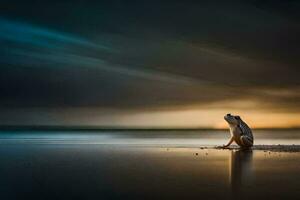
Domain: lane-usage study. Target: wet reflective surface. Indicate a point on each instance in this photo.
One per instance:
(241, 172)
(93, 171)
(188, 138)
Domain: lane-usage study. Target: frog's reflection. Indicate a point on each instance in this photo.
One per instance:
(240, 170)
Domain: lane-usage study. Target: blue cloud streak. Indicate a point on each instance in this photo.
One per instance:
(27, 45)
(23, 33)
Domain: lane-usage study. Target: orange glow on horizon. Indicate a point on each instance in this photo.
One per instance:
(208, 118)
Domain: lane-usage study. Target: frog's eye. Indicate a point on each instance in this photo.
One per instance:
(237, 117)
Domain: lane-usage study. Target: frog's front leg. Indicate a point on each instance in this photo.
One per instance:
(229, 143)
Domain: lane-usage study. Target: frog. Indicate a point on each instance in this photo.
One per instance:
(240, 132)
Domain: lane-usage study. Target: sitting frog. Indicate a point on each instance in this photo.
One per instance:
(240, 132)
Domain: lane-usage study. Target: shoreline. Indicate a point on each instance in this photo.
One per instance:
(123, 128)
(273, 148)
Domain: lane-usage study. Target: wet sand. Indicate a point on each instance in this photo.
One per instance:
(93, 171)
(272, 148)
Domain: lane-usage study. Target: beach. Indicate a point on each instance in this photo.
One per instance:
(61, 167)
(117, 100)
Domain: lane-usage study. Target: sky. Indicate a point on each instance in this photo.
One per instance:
(150, 63)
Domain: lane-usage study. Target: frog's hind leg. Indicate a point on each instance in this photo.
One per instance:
(246, 141)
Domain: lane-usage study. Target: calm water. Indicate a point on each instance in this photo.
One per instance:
(171, 138)
(144, 165)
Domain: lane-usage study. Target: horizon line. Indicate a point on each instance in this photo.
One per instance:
(121, 128)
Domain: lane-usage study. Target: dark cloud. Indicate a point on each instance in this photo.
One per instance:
(148, 54)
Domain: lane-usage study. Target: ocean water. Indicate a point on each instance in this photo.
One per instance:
(144, 165)
(171, 138)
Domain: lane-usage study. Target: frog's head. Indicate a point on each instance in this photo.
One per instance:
(232, 120)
